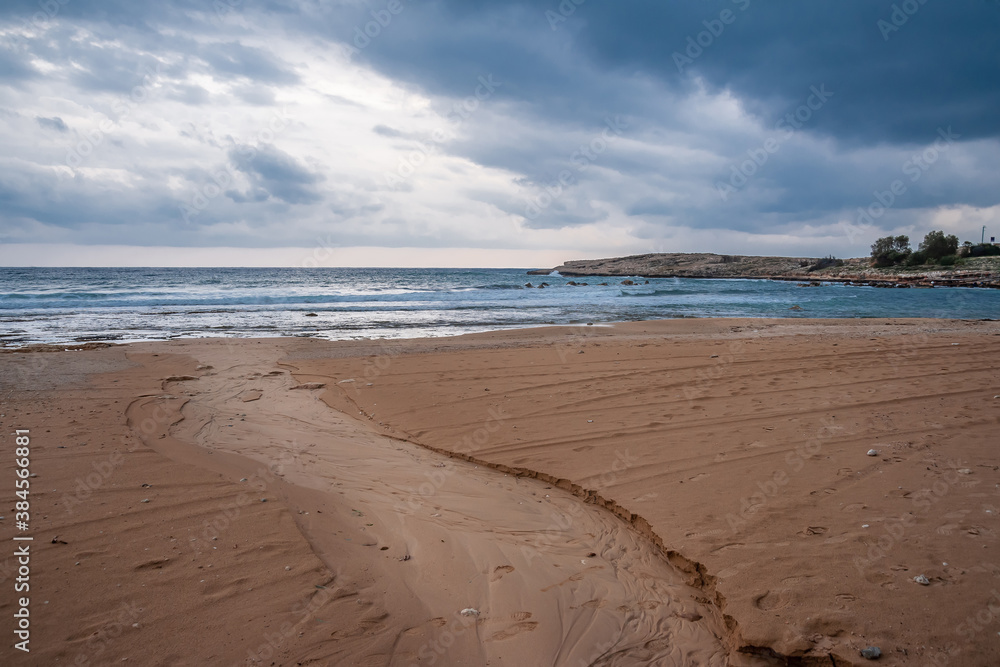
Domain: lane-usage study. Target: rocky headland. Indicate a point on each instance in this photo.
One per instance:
(971, 272)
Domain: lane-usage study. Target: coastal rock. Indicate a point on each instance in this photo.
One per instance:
(309, 385)
(627, 282)
(871, 653)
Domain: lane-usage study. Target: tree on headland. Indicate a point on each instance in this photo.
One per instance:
(936, 245)
(891, 250)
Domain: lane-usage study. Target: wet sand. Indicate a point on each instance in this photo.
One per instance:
(680, 492)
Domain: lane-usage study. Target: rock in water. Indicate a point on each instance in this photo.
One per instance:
(871, 653)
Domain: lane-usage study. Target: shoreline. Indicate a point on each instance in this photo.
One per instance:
(615, 393)
(833, 319)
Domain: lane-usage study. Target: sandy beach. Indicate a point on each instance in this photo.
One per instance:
(681, 492)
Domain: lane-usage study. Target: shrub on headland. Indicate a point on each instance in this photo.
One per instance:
(891, 250)
(936, 248)
(979, 250)
(936, 245)
(826, 263)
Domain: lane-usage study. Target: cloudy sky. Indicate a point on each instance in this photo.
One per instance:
(521, 133)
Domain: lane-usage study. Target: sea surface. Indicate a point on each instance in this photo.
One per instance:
(52, 305)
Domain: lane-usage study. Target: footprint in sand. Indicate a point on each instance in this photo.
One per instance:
(727, 547)
(156, 564)
(514, 630)
(499, 571)
(770, 601)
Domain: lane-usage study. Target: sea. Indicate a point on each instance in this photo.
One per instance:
(74, 305)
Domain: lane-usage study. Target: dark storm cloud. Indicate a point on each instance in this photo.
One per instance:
(55, 123)
(277, 172)
(386, 131)
(700, 86)
(928, 62)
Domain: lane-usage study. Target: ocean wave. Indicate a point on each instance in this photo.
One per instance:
(59, 305)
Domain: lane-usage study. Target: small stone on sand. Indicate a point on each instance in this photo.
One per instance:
(871, 653)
